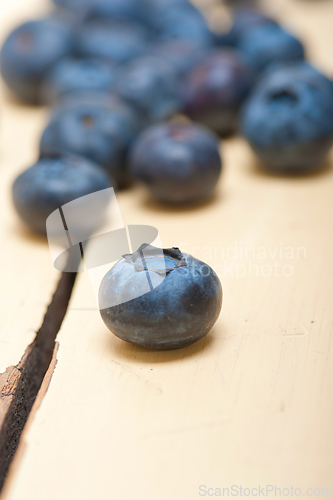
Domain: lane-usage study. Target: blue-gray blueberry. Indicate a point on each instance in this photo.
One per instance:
(51, 183)
(160, 299)
(266, 44)
(151, 85)
(178, 162)
(116, 41)
(288, 119)
(71, 75)
(30, 52)
(96, 126)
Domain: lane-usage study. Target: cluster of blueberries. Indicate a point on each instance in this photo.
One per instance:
(118, 72)
(143, 90)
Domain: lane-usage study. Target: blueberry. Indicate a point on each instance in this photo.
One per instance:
(245, 18)
(289, 118)
(115, 41)
(29, 53)
(77, 75)
(215, 89)
(179, 162)
(151, 85)
(53, 182)
(141, 307)
(268, 43)
(182, 54)
(94, 126)
(128, 10)
(185, 23)
(74, 5)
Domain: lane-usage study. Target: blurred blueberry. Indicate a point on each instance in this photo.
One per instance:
(95, 126)
(77, 6)
(53, 182)
(181, 305)
(157, 9)
(185, 24)
(178, 162)
(268, 43)
(77, 75)
(245, 18)
(215, 89)
(115, 41)
(29, 53)
(151, 85)
(182, 54)
(288, 120)
(123, 10)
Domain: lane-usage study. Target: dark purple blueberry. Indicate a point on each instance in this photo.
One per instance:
(151, 85)
(116, 41)
(178, 162)
(53, 182)
(95, 126)
(215, 89)
(268, 43)
(30, 52)
(288, 119)
(160, 299)
(78, 75)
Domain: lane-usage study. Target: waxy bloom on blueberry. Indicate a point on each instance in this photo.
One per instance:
(160, 299)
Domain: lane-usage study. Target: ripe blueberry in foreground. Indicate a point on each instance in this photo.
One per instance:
(95, 126)
(77, 75)
(160, 299)
(178, 162)
(215, 89)
(30, 52)
(288, 120)
(53, 182)
(269, 43)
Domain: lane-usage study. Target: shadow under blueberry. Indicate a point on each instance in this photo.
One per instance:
(149, 203)
(132, 353)
(260, 171)
(24, 233)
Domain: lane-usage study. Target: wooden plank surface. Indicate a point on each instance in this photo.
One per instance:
(28, 279)
(250, 404)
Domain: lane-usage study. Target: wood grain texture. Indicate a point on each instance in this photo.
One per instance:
(250, 404)
(28, 279)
